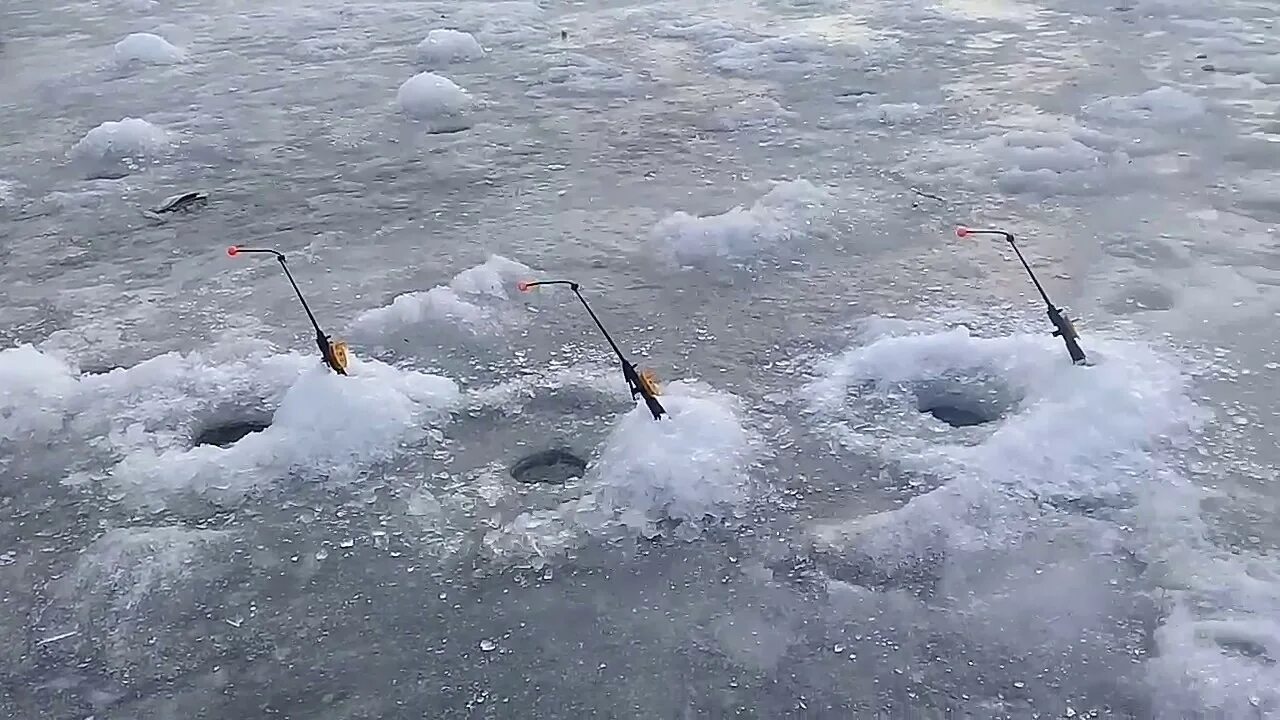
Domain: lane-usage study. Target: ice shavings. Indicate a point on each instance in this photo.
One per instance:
(674, 476)
(1165, 106)
(326, 427)
(1076, 432)
(147, 582)
(478, 301)
(780, 221)
(118, 148)
(147, 48)
(437, 102)
(443, 46)
(1041, 156)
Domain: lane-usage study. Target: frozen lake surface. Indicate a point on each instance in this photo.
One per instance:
(882, 490)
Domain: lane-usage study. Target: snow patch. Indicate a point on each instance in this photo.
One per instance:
(1165, 107)
(1046, 158)
(676, 476)
(140, 422)
(437, 102)
(118, 148)
(478, 301)
(443, 46)
(780, 221)
(147, 48)
(326, 427)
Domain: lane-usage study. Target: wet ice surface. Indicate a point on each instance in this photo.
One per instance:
(758, 199)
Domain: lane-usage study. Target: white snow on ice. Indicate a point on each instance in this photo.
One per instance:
(1104, 436)
(1164, 106)
(779, 222)
(120, 146)
(479, 301)
(140, 422)
(147, 48)
(443, 46)
(437, 102)
(693, 467)
(326, 427)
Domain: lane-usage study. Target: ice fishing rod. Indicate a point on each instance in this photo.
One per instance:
(1062, 324)
(333, 353)
(644, 383)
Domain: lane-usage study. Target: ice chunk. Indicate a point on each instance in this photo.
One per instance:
(778, 222)
(443, 46)
(147, 48)
(478, 301)
(117, 148)
(436, 101)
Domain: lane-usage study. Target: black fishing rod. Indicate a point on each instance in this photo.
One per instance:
(1062, 324)
(642, 384)
(334, 353)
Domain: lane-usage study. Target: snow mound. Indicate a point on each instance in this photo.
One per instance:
(118, 148)
(1067, 431)
(1046, 158)
(444, 46)
(778, 222)
(149, 49)
(479, 301)
(35, 392)
(140, 423)
(436, 101)
(1080, 476)
(1164, 106)
(676, 476)
(326, 427)
(691, 466)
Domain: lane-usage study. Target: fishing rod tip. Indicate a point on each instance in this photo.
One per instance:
(524, 286)
(962, 231)
(233, 251)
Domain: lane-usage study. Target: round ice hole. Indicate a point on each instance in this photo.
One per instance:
(554, 466)
(100, 369)
(965, 402)
(959, 415)
(226, 434)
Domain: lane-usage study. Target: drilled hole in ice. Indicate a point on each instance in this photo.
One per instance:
(228, 433)
(554, 466)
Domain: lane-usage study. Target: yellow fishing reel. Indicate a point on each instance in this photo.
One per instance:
(337, 357)
(648, 381)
